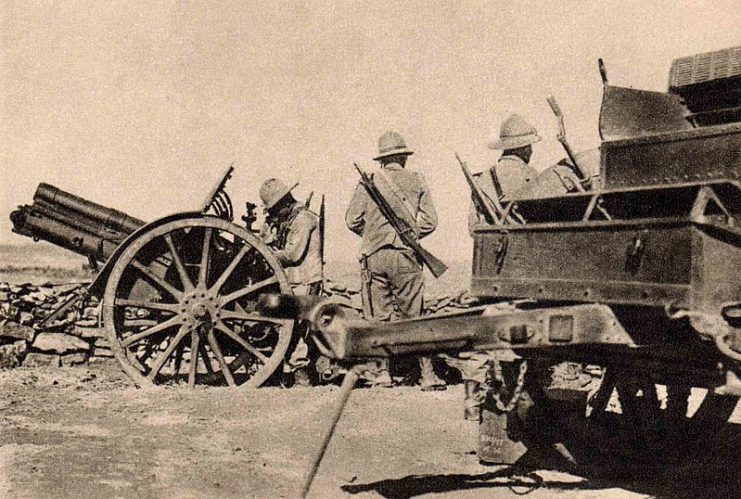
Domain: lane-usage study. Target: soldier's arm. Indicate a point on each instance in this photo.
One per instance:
(267, 233)
(427, 216)
(355, 215)
(297, 242)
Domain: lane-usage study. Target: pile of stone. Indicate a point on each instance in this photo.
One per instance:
(25, 339)
(349, 296)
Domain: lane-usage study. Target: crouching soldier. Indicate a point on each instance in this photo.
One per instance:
(293, 231)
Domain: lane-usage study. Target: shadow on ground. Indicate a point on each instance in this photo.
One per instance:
(709, 469)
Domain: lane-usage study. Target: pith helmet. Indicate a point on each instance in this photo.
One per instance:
(391, 144)
(273, 190)
(515, 132)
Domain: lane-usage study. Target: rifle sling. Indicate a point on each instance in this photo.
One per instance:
(495, 181)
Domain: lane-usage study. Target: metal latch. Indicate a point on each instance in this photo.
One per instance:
(501, 252)
(634, 254)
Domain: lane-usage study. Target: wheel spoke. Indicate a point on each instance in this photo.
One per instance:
(172, 321)
(232, 265)
(249, 289)
(160, 361)
(220, 357)
(203, 270)
(168, 307)
(194, 340)
(178, 264)
(156, 279)
(127, 323)
(254, 351)
(247, 316)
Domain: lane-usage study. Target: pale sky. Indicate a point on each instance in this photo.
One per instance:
(141, 105)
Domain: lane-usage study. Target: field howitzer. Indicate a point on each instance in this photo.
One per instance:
(178, 293)
(403, 225)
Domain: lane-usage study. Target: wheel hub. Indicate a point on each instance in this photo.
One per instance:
(200, 307)
(199, 310)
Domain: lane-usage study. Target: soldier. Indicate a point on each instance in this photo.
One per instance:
(391, 273)
(512, 175)
(509, 179)
(293, 231)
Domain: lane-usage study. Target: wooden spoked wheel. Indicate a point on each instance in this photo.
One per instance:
(180, 306)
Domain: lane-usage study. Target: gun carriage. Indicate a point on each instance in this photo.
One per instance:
(179, 294)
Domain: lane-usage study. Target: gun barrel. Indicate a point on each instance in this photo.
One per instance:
(113, 219)
(39, 224)
(73, 223)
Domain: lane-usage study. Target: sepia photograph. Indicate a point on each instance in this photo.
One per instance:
(395, 249)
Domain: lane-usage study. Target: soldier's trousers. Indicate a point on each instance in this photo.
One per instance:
(297, 355)
(392, 288)
(393, 285)
(473, 366)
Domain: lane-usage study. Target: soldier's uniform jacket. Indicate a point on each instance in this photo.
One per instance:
(365, 218)
(515, 178)
(554, 181)
(298, 246)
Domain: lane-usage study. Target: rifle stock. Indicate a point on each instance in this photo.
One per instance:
(436, 266)
(407, 235)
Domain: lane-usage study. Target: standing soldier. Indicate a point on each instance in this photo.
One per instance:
(393, 282)
(512, 175)
(293, 230)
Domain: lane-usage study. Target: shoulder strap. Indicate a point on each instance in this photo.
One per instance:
(396, 190)
(285, 226)
(495, 181)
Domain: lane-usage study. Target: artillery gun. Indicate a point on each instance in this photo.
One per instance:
(639, 277)
(179, 294)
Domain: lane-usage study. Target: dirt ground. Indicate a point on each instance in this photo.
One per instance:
(85, 432)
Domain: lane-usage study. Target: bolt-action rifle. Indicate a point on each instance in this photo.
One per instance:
(491, 208)
(406, 233)
(583, 177)
(491, 211)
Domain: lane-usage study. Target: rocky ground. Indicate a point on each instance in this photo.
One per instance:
(84, 432)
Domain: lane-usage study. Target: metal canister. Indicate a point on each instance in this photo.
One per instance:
(495, 445)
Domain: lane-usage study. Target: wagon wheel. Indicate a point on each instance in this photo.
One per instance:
(180, 306)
